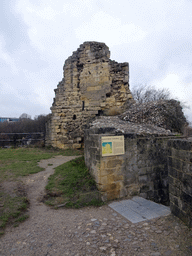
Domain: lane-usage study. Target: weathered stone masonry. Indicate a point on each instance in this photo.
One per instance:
(154, 166)
(142, 170)
(180, 179)
(92, 84)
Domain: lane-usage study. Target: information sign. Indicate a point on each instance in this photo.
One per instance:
(112, 145)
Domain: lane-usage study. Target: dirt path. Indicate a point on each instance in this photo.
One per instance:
(36, 183)
(89, 231)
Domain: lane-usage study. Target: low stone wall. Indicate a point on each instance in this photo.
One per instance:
(155, 167)
(180, 179)
(146, 170)
(142, 170)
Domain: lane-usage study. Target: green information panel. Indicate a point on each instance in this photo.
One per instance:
(112, 145)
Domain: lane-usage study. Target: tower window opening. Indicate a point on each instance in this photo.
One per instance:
(83, 105)
(74, 117)
(100, 113)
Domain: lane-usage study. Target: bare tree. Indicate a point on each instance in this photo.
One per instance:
(25, 124)
(144, 93)
(25, 116)
(147, 93)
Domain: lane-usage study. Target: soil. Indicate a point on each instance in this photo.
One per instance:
(90, 230)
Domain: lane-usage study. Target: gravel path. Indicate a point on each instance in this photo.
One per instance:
(89, 231)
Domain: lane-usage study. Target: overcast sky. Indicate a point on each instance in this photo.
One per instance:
(37, 36)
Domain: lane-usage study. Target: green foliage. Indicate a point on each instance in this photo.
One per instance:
(70, 184)
(69, 177)
(22, 218)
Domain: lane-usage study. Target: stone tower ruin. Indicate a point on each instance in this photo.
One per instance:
(92, 85)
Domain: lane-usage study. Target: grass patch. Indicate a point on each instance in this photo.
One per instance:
(14, 163)
(72, 185)
(12, 210)
(2, 233)
(22, 218)
(17, 162)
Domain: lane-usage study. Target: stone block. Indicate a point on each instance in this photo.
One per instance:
(103, 180)
(145, 170)
(177, 183)
(133, 190)
(114, 178)
(186, 198)
(182, 215)
(107, 172)
(94, 88)
(76, 146)
(130, 96)
(144, 195)
(174, 199)
(103, 104)
(165, 182)
(186, 166)
(174, 191)
(102, 165)
(143, 179)
(56, 118)
(150, 195)
(144, 188)
(114, 163)
(131, 178)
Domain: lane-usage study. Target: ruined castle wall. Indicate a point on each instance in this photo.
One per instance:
(141, 170)
(92, 85)
(180, 179)
(153, 166)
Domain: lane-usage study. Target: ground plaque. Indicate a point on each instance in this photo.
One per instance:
(112, 145)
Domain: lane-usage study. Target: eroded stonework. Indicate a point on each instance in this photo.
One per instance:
(92, 85)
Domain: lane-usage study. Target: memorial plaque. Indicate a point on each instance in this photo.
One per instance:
(112, 145)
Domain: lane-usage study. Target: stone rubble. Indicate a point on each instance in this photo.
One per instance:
(127, 127)
(167, 114)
